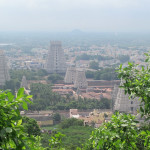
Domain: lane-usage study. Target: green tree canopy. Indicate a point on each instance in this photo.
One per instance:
(94, 65)
(13, 85)
(103, 74)
(55, 77)
(71, 122)
(30, 126)
(57, 117)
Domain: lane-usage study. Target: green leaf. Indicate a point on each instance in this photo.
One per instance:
(146, 54)
(10, 96)
(20, 92)
(130, 64)
(19, 122)
(120, 67)
(143, 132)
(24, 105)
(29, 96)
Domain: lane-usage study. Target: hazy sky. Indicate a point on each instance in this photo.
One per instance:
(66, 15)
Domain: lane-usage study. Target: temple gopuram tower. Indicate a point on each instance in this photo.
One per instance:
(124, 104)
(80, 79)
(56, 62)
(4, 72)
(114, 94)
(24, 82)
(70, 75)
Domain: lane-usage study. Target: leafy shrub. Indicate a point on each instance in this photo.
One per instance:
(12, 134)
(71, 122)
(121, 133)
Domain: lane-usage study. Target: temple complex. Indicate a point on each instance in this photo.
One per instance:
(4, 73)
(56, 60)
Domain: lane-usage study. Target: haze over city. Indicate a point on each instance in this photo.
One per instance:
(67, 15)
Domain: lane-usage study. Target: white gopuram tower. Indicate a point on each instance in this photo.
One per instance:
(24, 82)
(70, 75)
(56, 62)
(124, 104)
(4, 72)
(114, 94)
(80, 79)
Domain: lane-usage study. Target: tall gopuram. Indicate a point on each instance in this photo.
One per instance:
(70, 75)
(24, 82)
(124, 104)
(114, 94)
(4, 72)
(56, 62)
(80, 79)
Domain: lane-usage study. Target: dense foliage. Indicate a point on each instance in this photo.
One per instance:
(12, 85)
(43, 97)
(30, 74)
(82, 104)
(121, 133)
(71, 122)
(55, 77)
(75, 135)
(103, 74)
(16, 77)
(56, 117)
(12, 134)
(94, 65)
(92, 57)
(30, 126)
